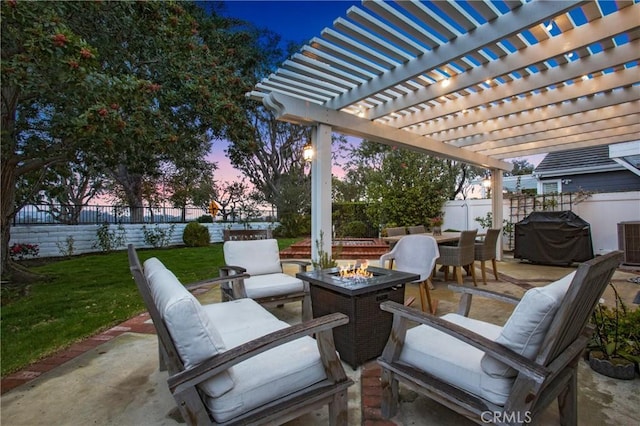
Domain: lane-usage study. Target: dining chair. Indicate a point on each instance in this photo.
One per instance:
(416, 254)
(392, 232)
(486, 250)
(459, 256)
(418, 229)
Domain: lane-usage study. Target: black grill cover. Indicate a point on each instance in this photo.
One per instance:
(556, 238)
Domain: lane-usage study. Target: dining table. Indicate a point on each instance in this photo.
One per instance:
(444, 237)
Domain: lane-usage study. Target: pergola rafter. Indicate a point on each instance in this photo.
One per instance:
(477, 82)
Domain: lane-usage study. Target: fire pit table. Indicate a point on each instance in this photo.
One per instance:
(366, 334)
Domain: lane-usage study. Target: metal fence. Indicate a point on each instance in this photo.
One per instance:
(33, 214)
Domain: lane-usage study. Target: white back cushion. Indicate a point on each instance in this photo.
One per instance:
(151, 266)
(191, 330)
(527, 326)
(258, 257)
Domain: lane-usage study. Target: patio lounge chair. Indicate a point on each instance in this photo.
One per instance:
(507, 374)
(234, 362)
(266, 282)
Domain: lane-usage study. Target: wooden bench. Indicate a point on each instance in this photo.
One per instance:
(246, 234)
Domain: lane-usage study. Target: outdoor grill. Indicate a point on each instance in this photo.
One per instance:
(554, 238)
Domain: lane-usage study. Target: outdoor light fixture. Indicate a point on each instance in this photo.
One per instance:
(307, 153)
(486, 183)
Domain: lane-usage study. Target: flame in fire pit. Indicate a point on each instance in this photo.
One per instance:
(356, 271)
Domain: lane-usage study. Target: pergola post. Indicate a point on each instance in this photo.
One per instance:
(496, 206)
(321, 190)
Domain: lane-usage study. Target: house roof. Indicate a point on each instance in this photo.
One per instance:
(592, 159)
(479, 82)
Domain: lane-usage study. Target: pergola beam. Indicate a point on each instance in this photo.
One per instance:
(304, 113)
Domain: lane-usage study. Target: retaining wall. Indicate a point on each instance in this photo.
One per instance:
(51, 239)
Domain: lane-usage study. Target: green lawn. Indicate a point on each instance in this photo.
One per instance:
(86, 295)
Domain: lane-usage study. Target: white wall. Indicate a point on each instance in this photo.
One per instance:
(602, 211)
(47, 237)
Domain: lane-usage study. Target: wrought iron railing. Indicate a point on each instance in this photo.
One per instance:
(33, 214)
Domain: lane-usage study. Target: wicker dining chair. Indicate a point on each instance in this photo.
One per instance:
(486, 250)
(418, 229)
(459, 256)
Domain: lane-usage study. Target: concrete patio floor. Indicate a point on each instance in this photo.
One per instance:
(113, 378)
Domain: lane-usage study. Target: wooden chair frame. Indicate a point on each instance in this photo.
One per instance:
(183, 382)
(551, 375)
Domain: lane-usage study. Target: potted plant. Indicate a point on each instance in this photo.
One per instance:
(436, 225)
(614, 348)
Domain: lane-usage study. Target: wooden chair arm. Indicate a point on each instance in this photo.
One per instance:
(302, 264)
(485, 293)
(464, 306)
(523, 365)
(213, 281)
(216, 364)
(228, 270)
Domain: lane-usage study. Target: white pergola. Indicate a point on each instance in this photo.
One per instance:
(475, 81)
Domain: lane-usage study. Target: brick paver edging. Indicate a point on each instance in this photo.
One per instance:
(138, 324)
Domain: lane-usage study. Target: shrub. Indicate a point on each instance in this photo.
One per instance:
(20, 251)
(205, 218)
(196, 235)
(158, 237)
(292, 226)
(66, 247)
(108, 240)
(354, 229)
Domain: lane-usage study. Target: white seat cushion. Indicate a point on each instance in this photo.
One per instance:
(193, 333)
(272, 374)
(528, 324)
(258, 257)
(454, 361)
(242, 320)
(277, 284)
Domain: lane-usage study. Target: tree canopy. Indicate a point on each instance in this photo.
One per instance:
(131, 86)
(402, 187)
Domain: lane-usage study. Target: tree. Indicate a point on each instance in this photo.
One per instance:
(66, 188)
(520, 167)
(272, 161)
(191, 185)
(132, 84)
(402, 187)
(44, 70)
(168, 95)
(229, 196)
